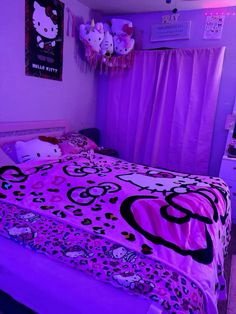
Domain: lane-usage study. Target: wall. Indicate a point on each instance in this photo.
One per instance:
(142, 24)
(29, 98)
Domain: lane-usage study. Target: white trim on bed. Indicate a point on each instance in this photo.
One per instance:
(13, 131)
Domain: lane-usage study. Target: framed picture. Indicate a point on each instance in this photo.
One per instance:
(44, 30)
(170, 31)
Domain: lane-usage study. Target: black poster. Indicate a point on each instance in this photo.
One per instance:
(44, 29)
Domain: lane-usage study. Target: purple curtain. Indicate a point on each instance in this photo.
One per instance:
(161, 112)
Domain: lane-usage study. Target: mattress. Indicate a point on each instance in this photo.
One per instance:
(49, 287)
(154, 233)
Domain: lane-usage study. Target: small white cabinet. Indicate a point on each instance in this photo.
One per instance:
(228, 174)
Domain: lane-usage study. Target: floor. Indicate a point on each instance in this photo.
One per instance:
(10, 306)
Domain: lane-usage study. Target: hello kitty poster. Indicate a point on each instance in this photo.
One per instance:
(44, 29)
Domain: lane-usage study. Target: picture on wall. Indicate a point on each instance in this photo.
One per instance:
(44, 29)
(214, 27)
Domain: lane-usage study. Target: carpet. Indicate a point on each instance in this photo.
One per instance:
(231, 307)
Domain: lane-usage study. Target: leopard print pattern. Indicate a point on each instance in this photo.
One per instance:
(103, 259)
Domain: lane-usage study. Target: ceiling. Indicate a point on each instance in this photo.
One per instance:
(135, 6)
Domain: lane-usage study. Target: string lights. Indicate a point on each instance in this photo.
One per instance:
(220, 13)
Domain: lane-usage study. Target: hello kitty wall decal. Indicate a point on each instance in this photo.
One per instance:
(44, 29)
(108, 45)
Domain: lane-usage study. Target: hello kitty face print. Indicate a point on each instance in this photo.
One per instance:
(22, 232)
(127, 280)
(120, 252)
(156, 181)
(45, 24)
(44, 32)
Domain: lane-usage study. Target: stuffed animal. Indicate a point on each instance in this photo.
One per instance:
(92, 34)
(36, 149)
(107, 47)
(121, 27)
(104, 43)
(122, 31)
(123, 44)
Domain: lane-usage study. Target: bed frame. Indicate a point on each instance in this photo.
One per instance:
(13, 131)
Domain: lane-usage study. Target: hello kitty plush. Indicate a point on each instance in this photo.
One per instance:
(122, 31)
(92, 34)
(45, 24)
(123, 44)
(36, 150)
(121, 27)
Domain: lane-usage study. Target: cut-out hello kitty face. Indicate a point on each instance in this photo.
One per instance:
(93, 34)
(36, 150)
(43, 22)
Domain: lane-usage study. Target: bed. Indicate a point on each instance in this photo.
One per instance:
(157, 237)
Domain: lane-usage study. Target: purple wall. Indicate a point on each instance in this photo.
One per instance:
(28, 98)
(142, 24)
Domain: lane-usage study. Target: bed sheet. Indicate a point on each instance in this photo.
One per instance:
(164, 218)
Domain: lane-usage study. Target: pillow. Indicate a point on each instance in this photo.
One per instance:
(67, 148)
(78, 141)
(10, 150)
(5, 159)
(36, 149)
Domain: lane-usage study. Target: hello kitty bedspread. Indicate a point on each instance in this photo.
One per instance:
(153, 232)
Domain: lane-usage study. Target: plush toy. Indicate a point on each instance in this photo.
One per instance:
(92, 34)
(107, 47)
(122, 31)
(123, 44)
(36, 149)
(121, 27)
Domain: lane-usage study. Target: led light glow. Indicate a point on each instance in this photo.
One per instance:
(219, 13)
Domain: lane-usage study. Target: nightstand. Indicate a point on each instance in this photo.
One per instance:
(228, 174)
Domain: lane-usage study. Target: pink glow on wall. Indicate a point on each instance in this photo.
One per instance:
(28, 98)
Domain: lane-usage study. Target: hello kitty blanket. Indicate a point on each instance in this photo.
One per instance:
(153, 232)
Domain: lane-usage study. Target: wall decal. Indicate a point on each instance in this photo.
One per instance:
(214, 27)
(44, 28)
(171, 18)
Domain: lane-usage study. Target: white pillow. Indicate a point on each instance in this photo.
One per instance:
(36, 150)
(5, 159)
